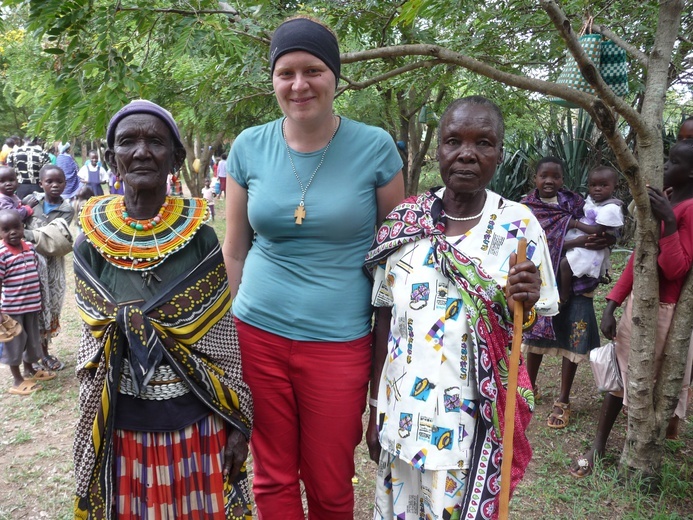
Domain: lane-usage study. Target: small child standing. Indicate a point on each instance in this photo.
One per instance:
(92, 173)
(208, 195)
(49, 230)
(555, 207)
(8, 199)
(20, 298)
(602, 214)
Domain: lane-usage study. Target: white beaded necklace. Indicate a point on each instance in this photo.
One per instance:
(300, 211)
(465, 219)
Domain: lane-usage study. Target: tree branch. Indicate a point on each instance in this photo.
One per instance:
(182, 12)
(445, 56)
(359, 85)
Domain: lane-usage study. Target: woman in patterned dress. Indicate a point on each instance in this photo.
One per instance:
(443, 325)
(165, 415)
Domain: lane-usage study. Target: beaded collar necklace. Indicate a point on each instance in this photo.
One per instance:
(140, 245)
(145, 224)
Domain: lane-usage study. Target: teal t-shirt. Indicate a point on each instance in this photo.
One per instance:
(306, 282)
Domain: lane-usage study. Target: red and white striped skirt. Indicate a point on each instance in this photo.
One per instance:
(175, 475)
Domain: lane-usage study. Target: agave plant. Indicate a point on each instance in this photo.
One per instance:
(575, 144)
(513, 175)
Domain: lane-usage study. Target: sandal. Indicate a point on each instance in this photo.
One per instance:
(561, 419)
(40, 375)
(52, 363)
(26, 387)
(9, 328)
(582, 469)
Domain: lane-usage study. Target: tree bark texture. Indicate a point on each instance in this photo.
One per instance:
(643, 450)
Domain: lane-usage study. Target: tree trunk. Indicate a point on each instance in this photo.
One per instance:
(643, 451)
(417, 136)
(198, 148)
(418, 159)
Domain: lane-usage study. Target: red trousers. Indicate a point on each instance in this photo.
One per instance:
(309, 398)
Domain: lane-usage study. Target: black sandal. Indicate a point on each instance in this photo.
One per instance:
(52, 363)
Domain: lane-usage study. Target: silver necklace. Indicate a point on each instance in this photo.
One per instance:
(300, 211)
(465, 219)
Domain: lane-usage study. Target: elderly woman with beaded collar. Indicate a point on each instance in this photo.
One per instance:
(165, 415)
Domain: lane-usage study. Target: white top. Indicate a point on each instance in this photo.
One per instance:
(208, 195)
(428, 392)
(83, 173)
(585, 262)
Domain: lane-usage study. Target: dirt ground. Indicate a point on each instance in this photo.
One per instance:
(36, 435)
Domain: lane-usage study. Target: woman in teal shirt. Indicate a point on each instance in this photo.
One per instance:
(304, 195)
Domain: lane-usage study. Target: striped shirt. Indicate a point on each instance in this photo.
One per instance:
(21, 291)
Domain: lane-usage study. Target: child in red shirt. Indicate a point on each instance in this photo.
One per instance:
(674, 260)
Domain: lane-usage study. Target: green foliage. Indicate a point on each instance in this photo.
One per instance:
(512, 178)
(86, 58)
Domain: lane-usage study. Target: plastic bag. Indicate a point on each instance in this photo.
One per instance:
(607, 374)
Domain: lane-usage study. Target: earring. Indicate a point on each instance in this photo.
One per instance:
(116, 184)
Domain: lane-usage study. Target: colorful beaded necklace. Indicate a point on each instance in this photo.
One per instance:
(140, 245)
(142, 225)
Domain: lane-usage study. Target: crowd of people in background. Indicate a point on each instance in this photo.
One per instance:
(313, 202)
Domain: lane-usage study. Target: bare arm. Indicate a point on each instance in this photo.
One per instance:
(239, 234)
(390, 195)
(608, 323)
(383, 315)
(593, 242)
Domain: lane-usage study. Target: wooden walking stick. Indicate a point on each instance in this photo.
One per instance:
(511, 396)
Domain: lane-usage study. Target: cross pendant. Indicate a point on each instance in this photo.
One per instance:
(300, 214)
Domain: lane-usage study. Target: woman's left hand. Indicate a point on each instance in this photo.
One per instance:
(524, 283)
(235, 453)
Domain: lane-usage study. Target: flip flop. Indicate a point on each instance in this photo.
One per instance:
(25, 388)
(41, 375)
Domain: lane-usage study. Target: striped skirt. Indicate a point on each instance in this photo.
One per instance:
(177, 475)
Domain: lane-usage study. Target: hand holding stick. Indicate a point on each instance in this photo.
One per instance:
(511, 399)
